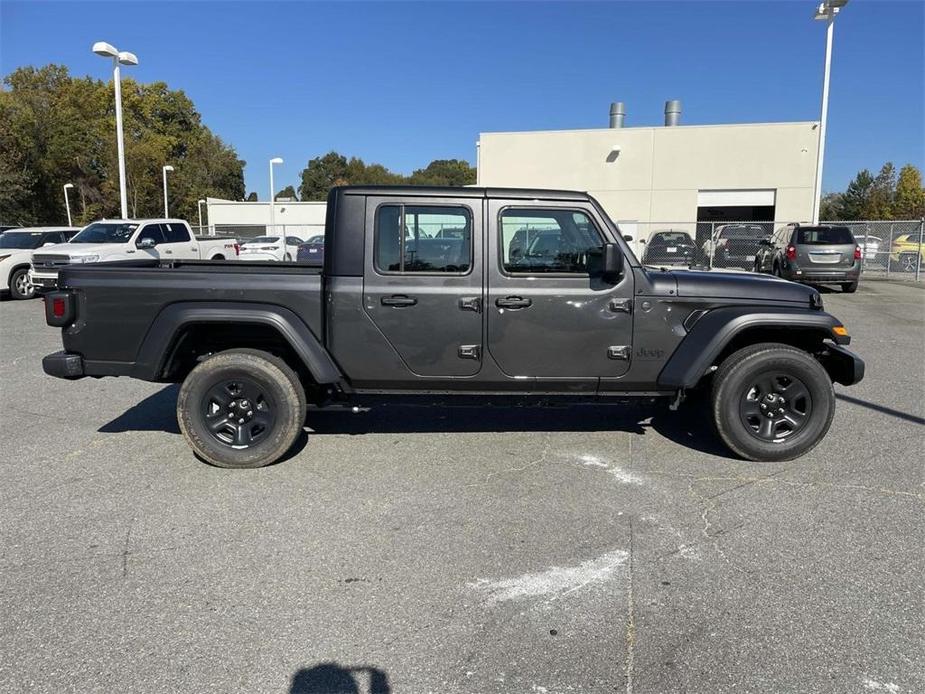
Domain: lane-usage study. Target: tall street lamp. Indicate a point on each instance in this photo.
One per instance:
(164, 171)
(107, 50)
(824, 13)
(275, 160)
(67, 203)
(199, 204)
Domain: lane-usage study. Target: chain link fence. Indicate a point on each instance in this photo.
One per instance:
(889, 249)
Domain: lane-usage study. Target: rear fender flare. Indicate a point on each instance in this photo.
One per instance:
(169, 322)
(718, 327)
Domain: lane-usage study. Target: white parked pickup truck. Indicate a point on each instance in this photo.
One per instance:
(129, 239)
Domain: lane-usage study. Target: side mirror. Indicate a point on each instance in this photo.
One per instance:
(613, 262)
(146, 242)
(47, 243)
(627, 237)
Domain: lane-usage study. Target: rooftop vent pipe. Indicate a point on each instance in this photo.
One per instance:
(673, 112)
(617, 114)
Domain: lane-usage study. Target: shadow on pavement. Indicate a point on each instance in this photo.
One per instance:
(331, 678)
(881, 408)
(691, 426)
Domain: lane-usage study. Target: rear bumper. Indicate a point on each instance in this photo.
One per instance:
(843, 366)
(822, 276)
(64, 365)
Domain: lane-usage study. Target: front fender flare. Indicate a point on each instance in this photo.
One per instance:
(166, 326)
(710, 335)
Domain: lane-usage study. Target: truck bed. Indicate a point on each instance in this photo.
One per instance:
(122, 300)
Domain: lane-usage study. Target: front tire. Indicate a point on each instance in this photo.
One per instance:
(20, 286)
(242, 408)
(772, 402)
(849, 287)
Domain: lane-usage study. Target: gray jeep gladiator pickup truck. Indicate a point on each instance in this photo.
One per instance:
(446, 291)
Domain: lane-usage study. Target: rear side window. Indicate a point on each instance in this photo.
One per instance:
(824, 236)
(414, 238)
(548, 240)
(175, 233)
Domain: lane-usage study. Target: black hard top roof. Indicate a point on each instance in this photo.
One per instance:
(463, 192)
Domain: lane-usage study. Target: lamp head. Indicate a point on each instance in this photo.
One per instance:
(276, 160)
(200, 201)
(168, 168)
(126, 58)
(68, 185)
(106, 50)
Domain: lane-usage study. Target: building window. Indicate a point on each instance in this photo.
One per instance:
(537, 241)
(411, 238)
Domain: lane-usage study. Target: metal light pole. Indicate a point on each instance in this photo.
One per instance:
(67, 203)
(275, 160)
(164, 171)
(199, 204)
(107, 50)
(825, 12)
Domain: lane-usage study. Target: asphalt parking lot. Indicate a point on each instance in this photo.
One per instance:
(462, 549)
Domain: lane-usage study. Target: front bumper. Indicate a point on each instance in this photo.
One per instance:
(64, 365)
(43, 281)
(842, 365)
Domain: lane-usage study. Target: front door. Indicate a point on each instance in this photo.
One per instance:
(551, 315)
(422, 283)
(178, 243)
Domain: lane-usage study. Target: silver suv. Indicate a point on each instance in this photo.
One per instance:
(812, 254)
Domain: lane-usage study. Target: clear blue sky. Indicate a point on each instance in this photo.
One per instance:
(402, 84)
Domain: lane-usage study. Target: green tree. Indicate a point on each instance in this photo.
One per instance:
(882, 191)
(321, 174)
(856, 198)
(444, 172)
(830, 207)
(57, 129)
(287, 192)
(910, 195)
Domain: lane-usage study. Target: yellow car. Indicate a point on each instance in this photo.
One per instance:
(908, 252)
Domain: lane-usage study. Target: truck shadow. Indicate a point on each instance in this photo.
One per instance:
(690, 426)
(331, 678)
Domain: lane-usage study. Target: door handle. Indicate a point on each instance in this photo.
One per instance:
(513, 302)
(398, 300)
(168, 251)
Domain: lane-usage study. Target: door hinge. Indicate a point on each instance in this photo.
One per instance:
(470, 352)
(618, 352)
(471, 303)
(621, 306)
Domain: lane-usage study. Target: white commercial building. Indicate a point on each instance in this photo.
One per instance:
(249, 219)
(686, 177)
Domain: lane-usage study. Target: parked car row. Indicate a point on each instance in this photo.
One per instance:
(26, 266)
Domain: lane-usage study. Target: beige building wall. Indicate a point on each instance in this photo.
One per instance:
(658, 172)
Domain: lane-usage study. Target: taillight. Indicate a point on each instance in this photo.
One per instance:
(857, 252)
(57, 307)
(237, 249)
(791, 252)
(60, 308)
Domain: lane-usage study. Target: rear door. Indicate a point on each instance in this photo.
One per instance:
(825, 248)
(423, 281)
(551, 316)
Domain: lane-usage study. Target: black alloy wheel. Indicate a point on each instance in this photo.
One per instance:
(238, 412)
(775, 406)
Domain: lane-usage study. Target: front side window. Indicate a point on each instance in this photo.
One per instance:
(414, 238)
(552, 240)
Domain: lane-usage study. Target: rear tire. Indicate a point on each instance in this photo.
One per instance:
(242, 408)
(20, 286)
(907, 262)
(849, 287)
(772, 402)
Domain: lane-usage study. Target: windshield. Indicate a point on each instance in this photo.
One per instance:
(825, 236)
(316, 239)
(743, 232)
(263, 239)
(106, 232)
(20, 240)
(670, 238)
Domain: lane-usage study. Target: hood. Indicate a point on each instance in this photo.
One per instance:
(741, 285)
(81, 249)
